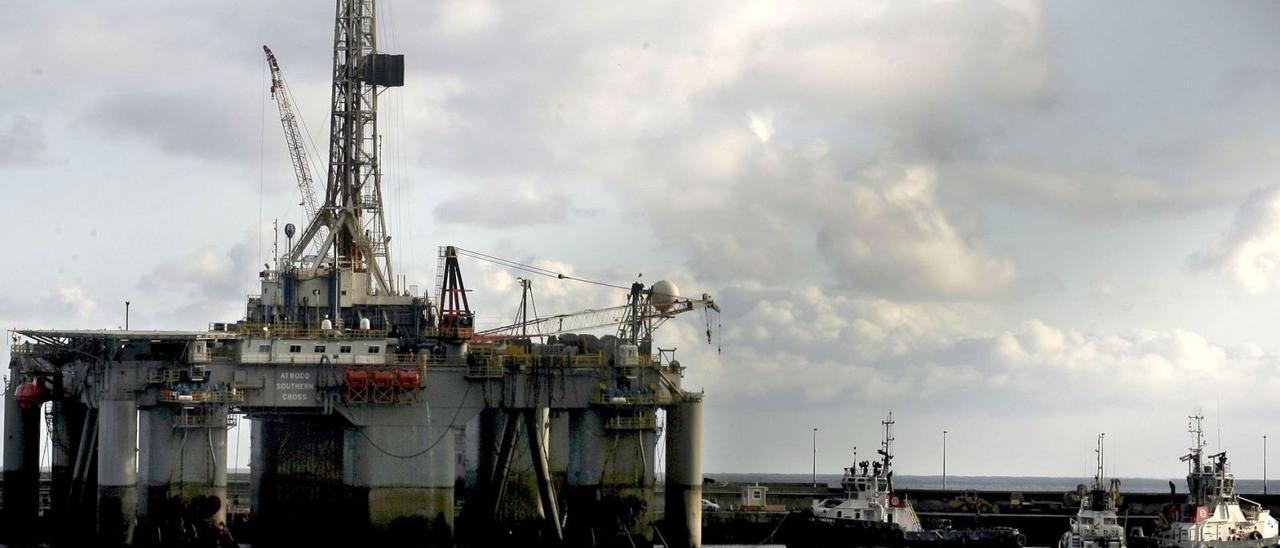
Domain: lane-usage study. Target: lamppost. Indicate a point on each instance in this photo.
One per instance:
(1264, 464)
(815, 457)
(944, 460)
(126, 315)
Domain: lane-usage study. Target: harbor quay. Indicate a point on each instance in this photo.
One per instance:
(1041, 515)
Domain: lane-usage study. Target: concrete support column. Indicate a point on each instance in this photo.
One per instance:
(68, 422)
(611, 478)
(404, 475)
(257, 466)
(117, 471)
(488, 428)
(683, 491)
(582, 480)
(183, 469)
(21, 464)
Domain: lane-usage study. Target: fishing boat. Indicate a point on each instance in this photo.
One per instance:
(1095, 524)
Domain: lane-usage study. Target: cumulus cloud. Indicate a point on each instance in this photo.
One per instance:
(826, 348)
(1248, 253)
(894, 238)
(73, 298)
(743, 134)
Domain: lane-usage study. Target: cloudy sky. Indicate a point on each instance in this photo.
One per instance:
(1023, 223)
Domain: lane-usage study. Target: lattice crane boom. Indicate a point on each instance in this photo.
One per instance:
(293, 138)
(595, 318)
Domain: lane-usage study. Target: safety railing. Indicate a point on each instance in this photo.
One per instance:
(33, 349)
(190, 418)
(443, 360)
(403, 359)
(552, 360)
(295, 332)
(485, 371)
(636, 422)
(203, 396)
(624, 399)
(163, 376)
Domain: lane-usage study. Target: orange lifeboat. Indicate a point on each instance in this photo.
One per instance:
(408, 378)
(31, 394)
(383, 377)
(357, 378)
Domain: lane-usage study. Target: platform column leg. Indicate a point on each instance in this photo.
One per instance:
(405, 477)
(683, 493)
(68, 421)
(184, 472)
(117, 471)
(21, 464)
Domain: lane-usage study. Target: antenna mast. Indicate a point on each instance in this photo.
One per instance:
(1100, 475)
(1195, 426)
(886, 448)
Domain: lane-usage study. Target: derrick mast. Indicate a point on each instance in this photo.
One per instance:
(340, 267)
(357, 244)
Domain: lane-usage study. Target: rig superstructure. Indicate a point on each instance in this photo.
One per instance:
(359, 391)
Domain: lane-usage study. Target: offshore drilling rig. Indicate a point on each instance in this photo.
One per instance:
(360, 392)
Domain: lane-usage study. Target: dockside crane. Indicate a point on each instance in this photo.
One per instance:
(293, 138)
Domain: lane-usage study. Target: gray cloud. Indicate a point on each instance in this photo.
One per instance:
(209, 284)
(520, 204)
(1248, 253)
(197, 124)
(22, 142)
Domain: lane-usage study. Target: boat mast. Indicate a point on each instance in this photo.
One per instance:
(1195, 460)
(1194, 425)
(1100, 475)
(886, 448)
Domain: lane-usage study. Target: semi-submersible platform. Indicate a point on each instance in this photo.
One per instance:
(359, 393)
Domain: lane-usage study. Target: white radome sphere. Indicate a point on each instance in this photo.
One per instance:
(664, 295)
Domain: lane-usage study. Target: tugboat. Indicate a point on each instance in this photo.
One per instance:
(872, 514)
(1214, 516)
(1095, 525)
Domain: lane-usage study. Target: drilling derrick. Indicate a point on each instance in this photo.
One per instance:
(339, 271)
(357, 243)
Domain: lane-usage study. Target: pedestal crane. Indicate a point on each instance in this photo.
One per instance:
(293, 138)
